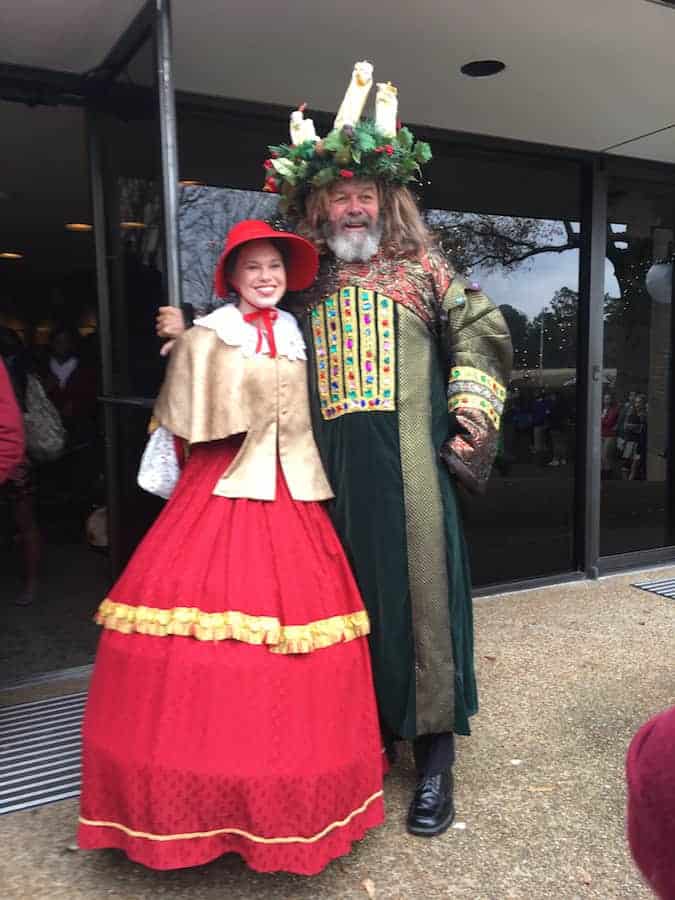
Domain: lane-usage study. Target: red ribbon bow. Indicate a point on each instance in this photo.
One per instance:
(264, 319)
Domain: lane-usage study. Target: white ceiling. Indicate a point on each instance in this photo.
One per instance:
(68, 35)
(581, 73)
(588, 74)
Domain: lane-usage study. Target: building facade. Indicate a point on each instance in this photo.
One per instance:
(566, 217)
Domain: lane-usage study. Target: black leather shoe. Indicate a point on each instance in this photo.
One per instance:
(432, 810)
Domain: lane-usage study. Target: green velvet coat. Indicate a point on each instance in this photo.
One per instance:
(404, 361)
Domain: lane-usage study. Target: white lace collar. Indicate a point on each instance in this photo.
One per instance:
(232, 329)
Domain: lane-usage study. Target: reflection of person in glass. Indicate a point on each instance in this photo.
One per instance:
(231, 707)
(635, 428)
(634, 433)
(71, 384)
(608, 424)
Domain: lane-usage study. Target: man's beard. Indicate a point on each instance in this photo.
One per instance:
(354, 246)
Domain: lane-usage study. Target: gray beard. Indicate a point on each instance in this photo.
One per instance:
(354, 247)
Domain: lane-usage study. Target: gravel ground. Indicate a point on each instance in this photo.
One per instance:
(567, 674)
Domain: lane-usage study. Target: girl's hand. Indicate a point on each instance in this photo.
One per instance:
(169, 322)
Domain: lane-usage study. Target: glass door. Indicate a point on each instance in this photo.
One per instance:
(636, 468)
(130, 229)
(513, 225)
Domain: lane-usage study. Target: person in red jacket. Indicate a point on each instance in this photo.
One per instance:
(650, 773)
(12, 445)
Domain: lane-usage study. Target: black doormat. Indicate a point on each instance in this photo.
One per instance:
(665, 588)
(40, 752)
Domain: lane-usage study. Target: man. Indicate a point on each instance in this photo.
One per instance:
(407, 373)
(11, 428)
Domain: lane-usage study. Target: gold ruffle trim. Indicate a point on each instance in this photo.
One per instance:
(216, 832)
(186, 621)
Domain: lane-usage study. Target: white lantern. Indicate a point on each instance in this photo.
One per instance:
(659, 282)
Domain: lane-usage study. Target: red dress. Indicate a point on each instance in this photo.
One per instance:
(231, 707)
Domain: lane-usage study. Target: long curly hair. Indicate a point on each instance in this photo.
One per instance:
(404, 234)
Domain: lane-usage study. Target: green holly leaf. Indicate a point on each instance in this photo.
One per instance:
(408, 166)
(404, 138)
(279, 149)
(366, 142)
(306, 150)
(286, 169)
(334, 141)
(324, 176)
(422, 152)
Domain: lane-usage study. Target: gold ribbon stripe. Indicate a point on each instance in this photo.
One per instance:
(237, 831)
(186, 621)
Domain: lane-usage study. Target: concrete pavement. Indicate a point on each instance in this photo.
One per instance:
(566, 676)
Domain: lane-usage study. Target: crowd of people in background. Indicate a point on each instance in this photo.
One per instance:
(55, 387)
(539, 427)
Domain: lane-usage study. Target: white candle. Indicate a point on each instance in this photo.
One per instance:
(308, 131)
(297, 125)
(386, 108)
(355, 98)
(302, 129)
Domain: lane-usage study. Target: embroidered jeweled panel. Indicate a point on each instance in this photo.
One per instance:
(355, 352)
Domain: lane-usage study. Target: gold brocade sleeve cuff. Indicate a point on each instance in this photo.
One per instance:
(470, 388)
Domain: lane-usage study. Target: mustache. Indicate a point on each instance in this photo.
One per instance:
(356, 219)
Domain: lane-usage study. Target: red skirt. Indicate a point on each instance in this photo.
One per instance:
(231, 707)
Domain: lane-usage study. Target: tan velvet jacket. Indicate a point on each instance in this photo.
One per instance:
(213, 391)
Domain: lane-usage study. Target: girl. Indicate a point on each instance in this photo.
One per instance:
(231, 707)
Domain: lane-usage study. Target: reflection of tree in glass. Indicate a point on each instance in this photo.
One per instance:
(205, 216)
(520, 326)
(139, 202)
(503, 243)
(496, 242)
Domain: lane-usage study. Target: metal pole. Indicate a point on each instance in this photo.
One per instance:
(169, 148)
(591, 330)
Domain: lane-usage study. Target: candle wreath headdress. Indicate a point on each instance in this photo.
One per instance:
(374, 149)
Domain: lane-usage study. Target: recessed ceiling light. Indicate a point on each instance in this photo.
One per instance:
(78, 226)
(483, 68)
(11, 254)
(129, 226)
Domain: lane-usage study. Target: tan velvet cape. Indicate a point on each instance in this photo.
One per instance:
(212, 391)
